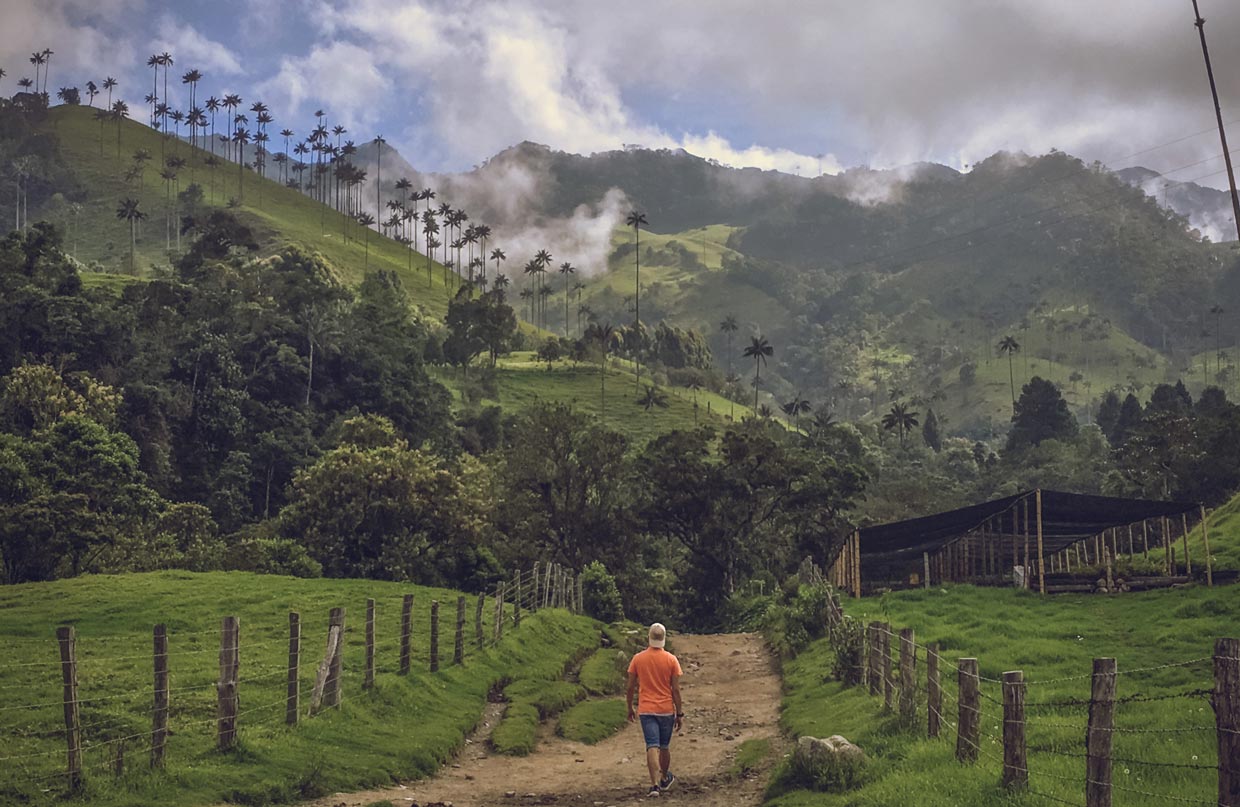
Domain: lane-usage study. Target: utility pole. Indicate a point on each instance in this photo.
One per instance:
(1218, 113)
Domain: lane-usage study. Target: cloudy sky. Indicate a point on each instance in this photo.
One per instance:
(789, 84)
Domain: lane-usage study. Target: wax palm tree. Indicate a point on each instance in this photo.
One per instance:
(92, 89)
(758, 350)
(213, 106)
(241, 137)
(578, 286)
(601, 334)
(37, 59)
(543, 259)
(527, 294)
(900, 420)
(166, 61)
(167, 174)
(230, 103)
(153, 63)
(130, 212)
(653, 397)
(192, 77)
(795, 408)
(47, 67)
(1217, 311)
(120, 111)
(102, 116)
(1011, 347)
(566, 269)
(498, 255)
(636, 219)
(378, 142)
(729, 327)
(367, 221)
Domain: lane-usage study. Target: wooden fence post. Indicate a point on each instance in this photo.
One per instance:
(534, 589)
(226, 689)
(458, 651)
(1188, 556)
(1015, 759)
(581, 596)
(1041, 557)
(934, 692)
(908, 677)
(498, 631)
(1227, 719)
(546, 589)
(925, 566)
(1145, 538)
(968, 721)
(294, 663)
(873, 674)
(324, 670)
(434, 635)
(368, 680)
(336, 669)
(1205, 539)
(67, 638)
(159, 717)
(1098, 734)
(889, 684)
(406, 632)
(478, 635)
(516, 601)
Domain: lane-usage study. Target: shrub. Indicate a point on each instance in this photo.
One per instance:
(599, 594)
(603, 672)
(274, 556)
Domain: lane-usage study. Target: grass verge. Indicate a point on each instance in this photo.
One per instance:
(1053, 640)
(366, 743)
(750, 756)
(591, 722)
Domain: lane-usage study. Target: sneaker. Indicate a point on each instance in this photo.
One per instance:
(668, 779)
(654, 791)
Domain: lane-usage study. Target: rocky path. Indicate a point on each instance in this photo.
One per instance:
(731, 692)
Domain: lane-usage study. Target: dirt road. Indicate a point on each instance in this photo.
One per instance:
(731, 693)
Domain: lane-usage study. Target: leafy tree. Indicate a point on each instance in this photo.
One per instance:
(930, 432)
(900, 420)
(1041, 414)
(1129, 420)
(599, 594)
(1108, 415)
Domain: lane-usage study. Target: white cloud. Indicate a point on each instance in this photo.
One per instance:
(341, 76)
(191, 49)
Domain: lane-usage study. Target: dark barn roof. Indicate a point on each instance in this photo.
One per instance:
(1066, 519)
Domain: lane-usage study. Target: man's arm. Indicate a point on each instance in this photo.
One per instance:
(628, 698)
(680, 707)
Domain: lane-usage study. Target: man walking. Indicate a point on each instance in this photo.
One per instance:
(655, 674)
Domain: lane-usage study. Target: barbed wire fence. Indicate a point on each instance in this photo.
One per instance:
(74, 729)
(1077, 741)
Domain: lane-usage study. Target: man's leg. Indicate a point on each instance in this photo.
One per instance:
(653, 757)
(665, 760)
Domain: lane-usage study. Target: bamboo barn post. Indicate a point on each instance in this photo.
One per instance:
(1024, 506)
(968, 719)
(1188, 558)
(336, 672)
(458, 648)
(876, 643)
(934, 691)
(1227, 719)
(1015, 546)
(1015, 766)
(159, 715)
(908, 677)
(889, 684)
(1168, 562)
(368, 680)
(66, 636)
(406, 632)
(1098, 734)
(293, 694)
(1205, 540)
(434, 635)
(226, 689)
(1145, 538)
(478, 635)
(925, 565)
(857, 565)
(1130, 549)
(1041, 558)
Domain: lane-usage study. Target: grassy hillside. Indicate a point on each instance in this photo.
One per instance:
(1053, 640)
(369, 741)
(279, 215)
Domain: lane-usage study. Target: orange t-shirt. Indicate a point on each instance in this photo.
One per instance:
(655, 669)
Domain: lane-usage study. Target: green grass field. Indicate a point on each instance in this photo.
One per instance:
(1166, 746)
(405, 727)
(593, 721)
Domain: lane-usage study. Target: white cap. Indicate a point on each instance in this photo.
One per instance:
(658, 635)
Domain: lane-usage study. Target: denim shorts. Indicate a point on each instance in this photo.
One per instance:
(658, 730)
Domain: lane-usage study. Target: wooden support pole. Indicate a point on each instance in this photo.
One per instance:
(458, 648)
(406, 633)
(889, 683)
(1130, 550)
(1024, 506)
(226, 688)
(1098, 734)
(479, 637)
(335, 676)
(546, 600)
(581, 596)
(1227, 719)
(1188, 557)
(1145, 538)
(908, 677)
(293, 688)
(159, 715)
(1205, 540)
(324, 671)
(434, 635)
(534, 603)
(968, 720)
(857, 565)
(874, 674)
(498, 631)
(1041, 561)
(1168, 562)
(66, 636)
(1015, 765)
(368, 679)
(1015, 546)
(925, 565)
(516, 601)
(934, 691)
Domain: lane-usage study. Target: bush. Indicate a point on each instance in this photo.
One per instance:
(274, 556)
(599, 594)
(604, 672)
(800, 619)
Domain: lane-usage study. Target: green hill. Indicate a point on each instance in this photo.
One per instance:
(368, 742)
